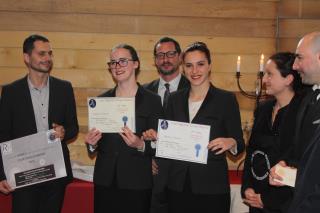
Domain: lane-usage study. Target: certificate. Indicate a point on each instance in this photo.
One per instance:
(110, 114)
(33, 159)
(288, 175)
(183, 141)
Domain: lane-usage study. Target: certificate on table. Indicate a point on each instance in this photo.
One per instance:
(183, 141)
(33, 159)
(110, 114)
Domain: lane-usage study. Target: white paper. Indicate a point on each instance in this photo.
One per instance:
(183, 141)
(33, 159)
(288, 175)
(110, 114)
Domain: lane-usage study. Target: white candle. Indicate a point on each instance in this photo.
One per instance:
(238, 64)
(261, 62)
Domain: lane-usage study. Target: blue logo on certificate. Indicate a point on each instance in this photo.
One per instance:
(52, 137)
(197, 147)
(164, 124)
(125, 120)
(92, 103)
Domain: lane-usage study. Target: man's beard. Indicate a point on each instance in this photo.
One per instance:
(167, 72)
(42, 70)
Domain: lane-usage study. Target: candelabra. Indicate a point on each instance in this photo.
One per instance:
(257, 94)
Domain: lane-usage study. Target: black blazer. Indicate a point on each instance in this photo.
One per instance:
(115, 159)
(17, 116)
(307, 189)
(304, 128)
(154, 85)
(274, 141)
(220, 110)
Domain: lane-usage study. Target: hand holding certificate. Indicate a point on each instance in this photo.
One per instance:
(33, 159)
(183, 141)
(287, 174)
(110, 114)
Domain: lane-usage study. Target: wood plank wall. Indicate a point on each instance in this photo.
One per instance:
(295, 19)
(83, 32)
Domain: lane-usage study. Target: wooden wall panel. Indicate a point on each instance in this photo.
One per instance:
(92, 23)
(296, 18)
(190, 8)
(299, 9)
(74, 60)
(293, 28)
(289, 8)
(288, 44)
(142, 42)
(102, 79)
(310, 9)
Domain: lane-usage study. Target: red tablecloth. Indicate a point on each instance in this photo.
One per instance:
(79, 196)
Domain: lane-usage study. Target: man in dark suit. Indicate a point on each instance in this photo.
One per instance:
(167, 59)
(35, 103)
(306, 154)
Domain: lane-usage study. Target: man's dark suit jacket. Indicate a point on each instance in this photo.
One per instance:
(307, 189)
(304, 129)
(17, 117)
(154, 85)
(161, 179)
(115, 158)
(220, 110)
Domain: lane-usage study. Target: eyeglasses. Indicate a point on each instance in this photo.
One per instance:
(169, 54)
(122, 62)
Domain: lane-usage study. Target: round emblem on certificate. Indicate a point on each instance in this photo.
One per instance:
(124, 119)
(52, 137)
(42, 162)
(92, 103)
(164, 124)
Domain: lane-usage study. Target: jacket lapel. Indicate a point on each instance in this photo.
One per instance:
(209, 97)
(52, 104)
(183, 83)
(301, 113)
(28, 107)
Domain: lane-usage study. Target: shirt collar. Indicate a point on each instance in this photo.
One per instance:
(31, 86)
(173, 83)
(316, 86)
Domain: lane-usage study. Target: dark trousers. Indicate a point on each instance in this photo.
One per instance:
(255, 210)
(190, 202)
(114, 200)
(45, 197)
(159, 202)
(187, 201)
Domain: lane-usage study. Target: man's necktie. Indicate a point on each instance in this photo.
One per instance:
(166, 95)
(315, 95)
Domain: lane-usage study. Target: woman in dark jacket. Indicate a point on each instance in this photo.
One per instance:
(272, 136)
(122, 173)
(194, 187)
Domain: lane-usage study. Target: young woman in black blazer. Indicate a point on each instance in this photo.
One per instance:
(122, 174)
(202, 187)
(272, 136)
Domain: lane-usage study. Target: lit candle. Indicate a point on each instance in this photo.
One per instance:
(238, 64)
(261, 62)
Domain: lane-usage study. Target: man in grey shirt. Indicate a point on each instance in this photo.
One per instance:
(35, 103)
